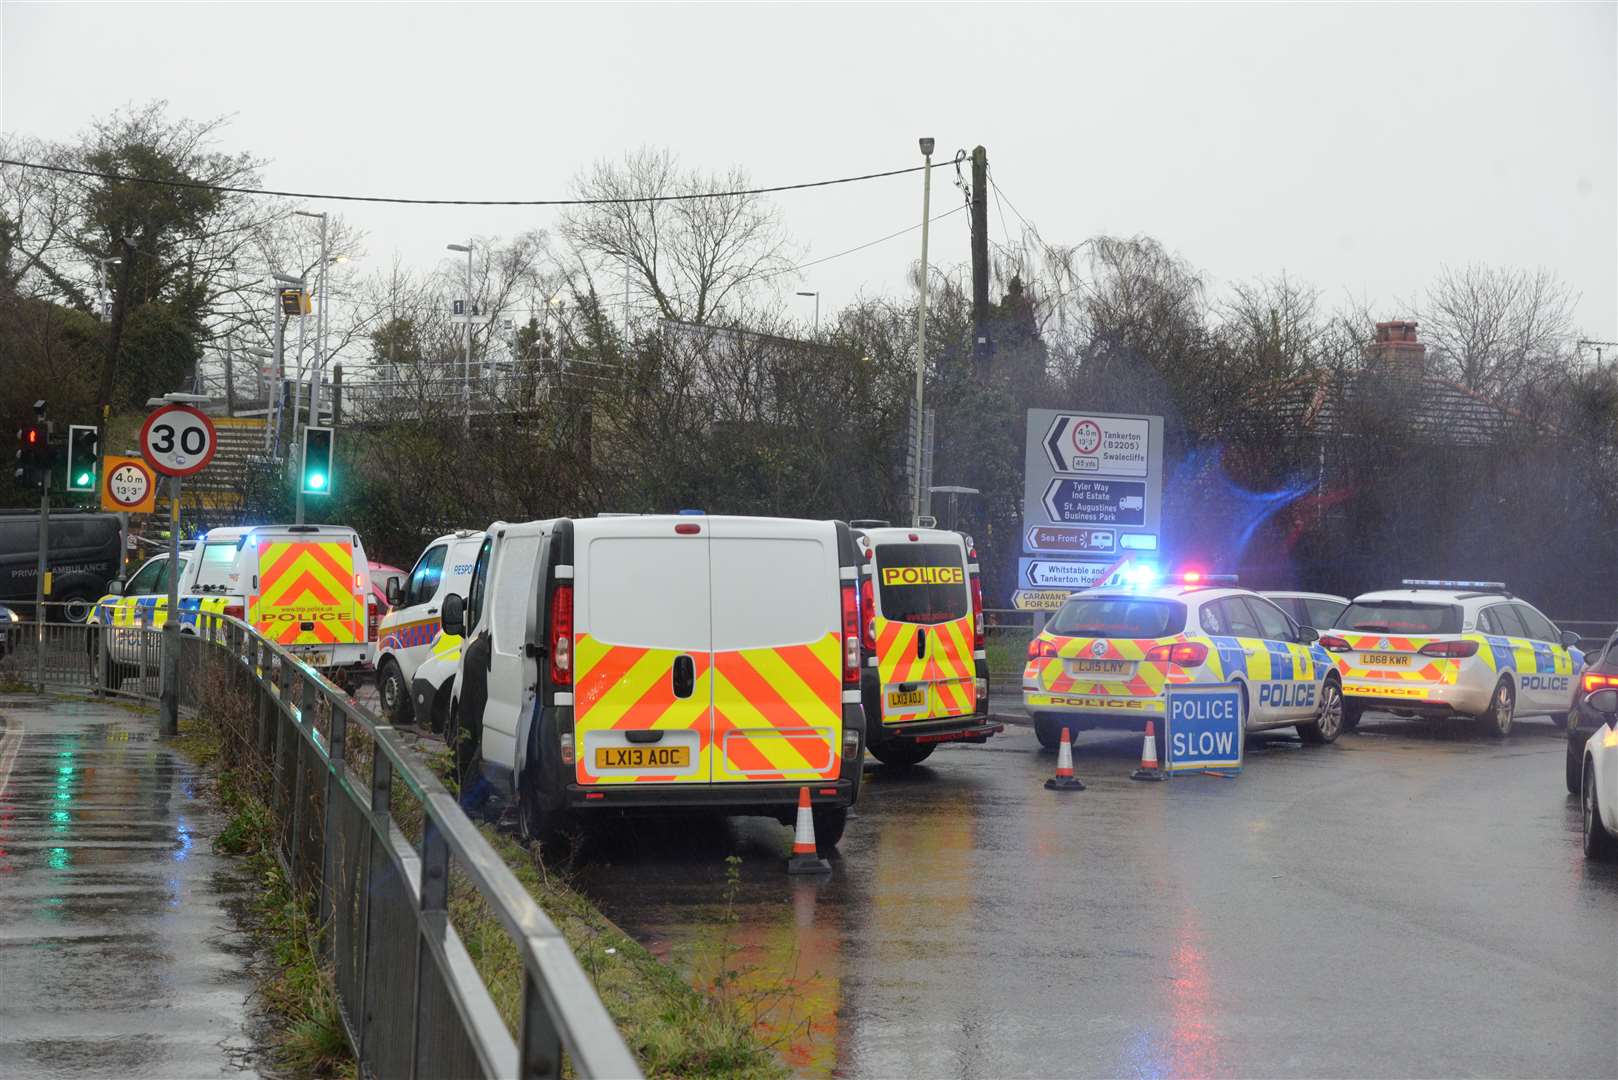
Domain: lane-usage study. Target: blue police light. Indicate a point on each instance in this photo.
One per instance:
(698, 513)
(1140, 575)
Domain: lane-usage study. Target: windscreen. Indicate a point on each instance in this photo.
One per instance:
(922, 583)
(1119, 617)
(218, 560)
(1401, 617)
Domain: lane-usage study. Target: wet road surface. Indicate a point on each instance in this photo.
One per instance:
(1411, 901)
(119, 955)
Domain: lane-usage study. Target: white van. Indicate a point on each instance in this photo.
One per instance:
(661, 663)
(411, 632)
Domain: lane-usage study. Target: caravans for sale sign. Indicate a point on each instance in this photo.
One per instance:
(1204, 726)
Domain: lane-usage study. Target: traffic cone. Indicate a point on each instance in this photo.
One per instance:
(1064, 780)
(1149, 767)
(805, 859)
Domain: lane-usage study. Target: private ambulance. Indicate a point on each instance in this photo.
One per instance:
(303, 586)
(412, 632)
(1106, 657)
(924, 674)
(1438, 648)
(660, 664)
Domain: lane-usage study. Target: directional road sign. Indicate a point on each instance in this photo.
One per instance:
(128, 485)
(1059, 540)
(1058, 573)
(178, 440)
(1039, 599)
(1109, 445)
(1096, 502)
(1203, 727)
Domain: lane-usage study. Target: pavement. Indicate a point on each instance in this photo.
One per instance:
(1410, 901)
(120, 954)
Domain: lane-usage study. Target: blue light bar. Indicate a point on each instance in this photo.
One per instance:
(1417, 583)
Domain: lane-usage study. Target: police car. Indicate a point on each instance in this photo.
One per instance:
(411, 632)
(1106, 657)
(1443, 648)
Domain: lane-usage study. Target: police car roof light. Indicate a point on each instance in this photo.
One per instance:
(1197, 577)
(689, 513)
(1491, 586)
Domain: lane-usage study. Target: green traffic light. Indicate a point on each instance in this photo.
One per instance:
(317, 481)
(84, 480)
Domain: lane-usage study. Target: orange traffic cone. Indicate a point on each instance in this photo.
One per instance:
(805, 859)
(1064, 780)
(1149, 767)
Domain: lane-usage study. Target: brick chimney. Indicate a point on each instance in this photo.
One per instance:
(1396, 349)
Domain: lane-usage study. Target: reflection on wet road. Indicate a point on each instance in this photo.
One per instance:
(118, 954)
(1411, 901)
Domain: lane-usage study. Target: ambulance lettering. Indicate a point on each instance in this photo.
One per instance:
(1286, 695)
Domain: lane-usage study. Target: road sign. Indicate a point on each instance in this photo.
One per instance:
(1039, 599)
(127, 484)
(1058, 573)
(1058, 540)
(1104, 444)
(1203, 727)
(1096, 502)
(178, 440)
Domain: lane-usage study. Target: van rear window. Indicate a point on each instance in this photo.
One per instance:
(218, 560)
(1119, 617)
(922, 583)
(1401, 617)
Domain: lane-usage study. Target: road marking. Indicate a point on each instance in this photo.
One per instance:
(10, 743)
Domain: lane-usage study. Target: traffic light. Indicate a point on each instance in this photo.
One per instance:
(33, 454)
(295, 302)
(317, 460)
(83, 460)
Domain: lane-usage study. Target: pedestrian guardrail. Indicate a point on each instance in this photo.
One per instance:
(363, 826)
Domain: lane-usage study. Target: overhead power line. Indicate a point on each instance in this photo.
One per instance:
(200, 185)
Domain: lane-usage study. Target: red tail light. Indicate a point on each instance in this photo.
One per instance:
(851, 635)
(977, 612)
(1333, 643)
(868, 612)
(562, 635)
(234, 611)
(1591, 682)
(1451, 649)
(1041, 649)
(1184, 653)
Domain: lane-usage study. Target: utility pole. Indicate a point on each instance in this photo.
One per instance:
(466, 371)
(981, 350)
(921, 330)
(115, 333)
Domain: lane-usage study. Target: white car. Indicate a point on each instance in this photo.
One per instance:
(1442, 648)
(1598, 792)
(1107, 655)
(1319, 610)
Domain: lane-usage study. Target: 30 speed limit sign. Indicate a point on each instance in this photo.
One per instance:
(178, 440)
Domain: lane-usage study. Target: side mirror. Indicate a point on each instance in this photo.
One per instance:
(394, 591)
(115, 587)
(1308, 635)
(1604, 702)
(1570, 639)
(454, 615)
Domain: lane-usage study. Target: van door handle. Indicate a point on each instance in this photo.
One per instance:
(921, 644)
(644, 736)
(683, 676)
(432, 611)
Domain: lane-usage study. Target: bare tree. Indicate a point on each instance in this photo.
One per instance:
(1495, 330)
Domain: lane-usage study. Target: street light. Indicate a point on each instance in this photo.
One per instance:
(466, 373)
(816, 295)
(105, 311)
(921, 325)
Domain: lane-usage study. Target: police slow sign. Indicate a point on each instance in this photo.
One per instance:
(1203, 729)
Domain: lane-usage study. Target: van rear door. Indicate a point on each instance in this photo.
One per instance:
(311, 590)
(643, 651)
(777, 618)
(923, 629)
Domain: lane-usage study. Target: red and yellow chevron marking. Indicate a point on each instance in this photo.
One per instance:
(1422, 669)
(948, 668)
(308, 581)
(1147, 679)
(631, 688)
(778, 712)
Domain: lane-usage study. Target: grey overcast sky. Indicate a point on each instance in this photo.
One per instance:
(1356, 147)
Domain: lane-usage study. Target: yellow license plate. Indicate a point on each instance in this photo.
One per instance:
(642, 757)
(1382, 659)
(906, 699)
(1100, 667)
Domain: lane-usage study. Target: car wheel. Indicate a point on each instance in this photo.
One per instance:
(76, 607)
(1328, 723)
(1598, 842)
(901, 754)
(1496, 719)
(829, 824)
(1048, 730)
(1351, 715)
(1575, 761)
(395, 696)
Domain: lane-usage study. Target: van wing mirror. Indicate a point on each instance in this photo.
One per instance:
(454, 615)
(394, 591)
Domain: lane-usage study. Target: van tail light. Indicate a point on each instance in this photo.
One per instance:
(868, 612)
(1591, 682)
(1454, 650)
(373, 618)
(234, 611)
(566, 743)
(851, 635)
(977, 612)
(562, 635)
(1333, 643)
(1183, 653)
(1041, 649)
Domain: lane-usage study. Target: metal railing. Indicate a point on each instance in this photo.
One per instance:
(362, 825)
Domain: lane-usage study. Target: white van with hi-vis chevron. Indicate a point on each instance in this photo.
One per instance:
(412, 633)
(661, 663)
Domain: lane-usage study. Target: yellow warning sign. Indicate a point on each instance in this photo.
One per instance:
(1039, 599)
(127, 485)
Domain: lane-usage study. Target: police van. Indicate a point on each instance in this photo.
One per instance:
(302, 586)
(1440, 648)
(924, 673)
(661, 663)
(411, 632)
